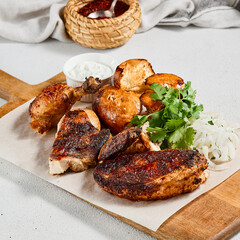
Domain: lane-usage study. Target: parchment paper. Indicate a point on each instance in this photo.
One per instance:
(22, 146)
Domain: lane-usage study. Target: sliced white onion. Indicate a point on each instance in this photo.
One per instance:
(218, 142)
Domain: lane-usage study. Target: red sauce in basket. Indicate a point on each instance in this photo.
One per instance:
(101, 5)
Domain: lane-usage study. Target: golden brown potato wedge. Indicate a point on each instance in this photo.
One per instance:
(165, 79)
(149, 103)
(116, 107)
(131, 74)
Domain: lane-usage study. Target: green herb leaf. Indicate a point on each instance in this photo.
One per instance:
(171, 124)
(158, 134)
(156, 119)
(210, 122)
(159, 91)
(139, 120)
(181, 138)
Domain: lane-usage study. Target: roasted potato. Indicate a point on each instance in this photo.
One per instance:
(116, 107)
(149, 103)
(131, 74)
(165, 79)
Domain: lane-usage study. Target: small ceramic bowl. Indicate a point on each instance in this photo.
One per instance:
(104, 59)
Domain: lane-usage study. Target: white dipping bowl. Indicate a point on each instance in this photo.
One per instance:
(105, 59)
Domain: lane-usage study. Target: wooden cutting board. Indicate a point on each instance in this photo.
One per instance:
(213, 215)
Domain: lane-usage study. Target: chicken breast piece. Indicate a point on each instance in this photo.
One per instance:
(78, 142)
(152, 175)
(55, 100)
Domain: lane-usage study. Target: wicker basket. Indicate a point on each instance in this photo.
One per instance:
(101, 33)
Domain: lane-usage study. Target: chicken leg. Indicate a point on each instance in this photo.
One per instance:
(54, 101)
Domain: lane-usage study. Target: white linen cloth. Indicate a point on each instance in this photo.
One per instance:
(201, 13)
(34, 21)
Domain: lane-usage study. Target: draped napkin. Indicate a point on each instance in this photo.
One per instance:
(34, 21)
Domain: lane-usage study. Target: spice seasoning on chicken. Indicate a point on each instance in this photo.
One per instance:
(102, 5)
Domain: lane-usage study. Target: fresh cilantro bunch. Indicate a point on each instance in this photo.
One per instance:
(171, 125)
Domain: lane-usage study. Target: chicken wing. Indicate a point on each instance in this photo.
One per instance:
(130, 140)
(119, 143)
(78, 142)
(152, 175)
(55, 100)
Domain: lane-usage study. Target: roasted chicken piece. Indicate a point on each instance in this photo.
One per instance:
(152, 175)
(116, 107)
(78, 142)
(131, 74)
(165, 79)
(119, 143)
(55, 100)
(130, 140)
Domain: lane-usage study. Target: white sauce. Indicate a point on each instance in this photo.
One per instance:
(90, 68)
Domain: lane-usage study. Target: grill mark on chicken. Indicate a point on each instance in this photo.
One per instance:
(152, 175)
(77, 140)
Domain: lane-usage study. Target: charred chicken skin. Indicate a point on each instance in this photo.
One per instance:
(55, 100)
(152, 175)
(77, 142)
(119, 143)
(130, 140)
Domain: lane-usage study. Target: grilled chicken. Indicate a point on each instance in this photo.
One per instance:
(119, 143)
(152, 175)
(130, 140)
(78, 142)
(55, 100)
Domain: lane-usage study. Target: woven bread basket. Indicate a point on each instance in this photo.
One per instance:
(101, 33)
